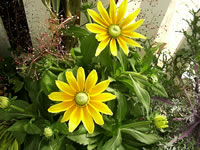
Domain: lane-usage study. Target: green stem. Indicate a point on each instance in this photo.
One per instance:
(17, 108)
(56, 69)
(21, 110)
(89, 18)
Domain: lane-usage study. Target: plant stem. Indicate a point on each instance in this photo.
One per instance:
(89, 18)
(56, 69)
(17, 108)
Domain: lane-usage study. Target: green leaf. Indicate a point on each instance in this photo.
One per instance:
(114, 142)
(18, 126)
(139, 77)
(122, 104)
(56, 6)
(88, 48)
(75, 52)
(76, 31)
(128, 147)
(142, 137)
(31, 128)
(18, 85)
(132, 63)
(62, 77)
(122, 59)
(61, 127)
(81, 139)
(14, 145)
(32, 87)
(20, 136)
(32, 142)
(140, 125)
(105, 58)
(142, 95)
(159, 90)
(48, 82)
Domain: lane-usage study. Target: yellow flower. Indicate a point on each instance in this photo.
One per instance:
(160, 121)
(82, 100)
(114, 28)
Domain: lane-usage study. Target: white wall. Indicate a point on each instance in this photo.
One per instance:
(4, 43)
(37, 18)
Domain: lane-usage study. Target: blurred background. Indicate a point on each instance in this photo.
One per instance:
(21, 21)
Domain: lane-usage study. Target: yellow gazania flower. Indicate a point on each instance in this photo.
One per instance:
(82, 100)
(113, 28)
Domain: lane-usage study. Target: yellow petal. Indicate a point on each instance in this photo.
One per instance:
(87, 121)
(68, 113)
(102, 36)
(60, 96)
(133, 34)
(112, 10)
(60, 107)
(121, 11)
(95, 16)
(103, 97)
(91, 81)
(75, 119)
(101, 107)
(64, 87)
(130, 18)
(103, 12)
(81, 78)
(133, 26)
(102, 46)
(99, 88)
(95, 115)
(95, 28)
(131, 42)
(123, 45)
(113, 47)
(71, 80)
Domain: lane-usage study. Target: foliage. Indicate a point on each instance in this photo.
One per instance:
(134, 79)
(182, 85)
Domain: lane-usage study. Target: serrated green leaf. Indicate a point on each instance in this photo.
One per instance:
(159, 90)
(142, 94)
(137, 125)
(142, 137)
(122, 104)
(81, 139)
(114, 142)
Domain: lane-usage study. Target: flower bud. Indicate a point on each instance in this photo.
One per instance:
(160, 121)
(48, 132)
(3, 102)
(176, 81)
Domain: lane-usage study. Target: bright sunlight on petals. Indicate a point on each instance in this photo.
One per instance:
(113, 28)
(84, 101)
